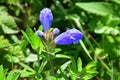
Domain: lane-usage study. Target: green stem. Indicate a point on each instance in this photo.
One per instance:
(52, 65)
(105, 65)
(41, 64)
(50, 50)
(85, 49)
(39, 51)
(41, 67)
(112, 71)
(12, 62)
(80, 27)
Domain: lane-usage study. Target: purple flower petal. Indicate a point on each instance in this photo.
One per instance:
(46, 18)
(68, 37)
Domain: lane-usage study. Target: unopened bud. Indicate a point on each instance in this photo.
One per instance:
(56, 31)
(40, 33)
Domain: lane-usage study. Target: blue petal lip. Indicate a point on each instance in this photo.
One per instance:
(68, 37)
(39, 33)
(46, 18)
(56, 31)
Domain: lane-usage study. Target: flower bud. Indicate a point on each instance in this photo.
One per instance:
(40, 33)
(56, 31)
(46, 18)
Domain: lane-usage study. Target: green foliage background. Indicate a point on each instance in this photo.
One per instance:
(95, 57)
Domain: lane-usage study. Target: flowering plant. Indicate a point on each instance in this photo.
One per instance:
(50, 38)
(66, 38)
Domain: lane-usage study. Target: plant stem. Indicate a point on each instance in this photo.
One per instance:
(112, 71)
(41, 67)
(49, 50)
(85, 49)
(105, 65)
(52, 65)
(12, 62)
(38, 58)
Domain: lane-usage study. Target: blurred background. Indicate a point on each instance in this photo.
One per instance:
(98, 20)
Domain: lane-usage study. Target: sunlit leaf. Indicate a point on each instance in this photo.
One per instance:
(33, 39)
(31, 58)
(7, 23)
(79, 64)
(99, 8)
(62, 56)
(4, 42)
(10, 75)
(25, 73)
(26, 67)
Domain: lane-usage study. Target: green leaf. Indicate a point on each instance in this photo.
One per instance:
(3, 42)
(7, 23)
(15, 77)
(13, 59)
(32, 38)
(88, 72)
(10, 75)
(106, 30)
(98, 8)
(91, 65)
(64, 66)
(79, 64)
(7, 30)
(25, 73)
(42, 66)
(35, 42)
(62, 56)
(56, 50)
(38, 77)
(3, 73)
(116, 1)
(25, 35)
(1, 69)
(73, 65)
(3, 9)
(85, 49)
(12, 2)
(26, 67)
(2, 76)
(31, 58)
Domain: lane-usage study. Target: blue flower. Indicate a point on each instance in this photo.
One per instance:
(65, 38)
(68, 37)
(46, 18)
